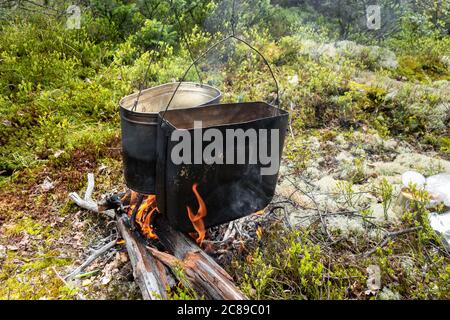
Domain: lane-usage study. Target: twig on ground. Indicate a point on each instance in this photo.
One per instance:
(389, 236)
(324, 224)
(87, 203)
(91, 258)
(89, 188)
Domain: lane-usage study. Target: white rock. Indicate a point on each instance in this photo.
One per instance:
(441, 224)
(439, 187)
(413, 177)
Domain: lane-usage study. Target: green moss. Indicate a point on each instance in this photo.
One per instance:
(422, 68)
(33, 278)
(444, 145)
(23, 224)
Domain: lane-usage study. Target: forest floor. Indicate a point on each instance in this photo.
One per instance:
(44, 236)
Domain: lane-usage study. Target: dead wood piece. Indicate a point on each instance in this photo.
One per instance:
(87, 203)
(91, 258)
(204, 274)
(206, 279)
(149, 273)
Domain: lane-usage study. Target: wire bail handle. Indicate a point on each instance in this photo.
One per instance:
(211, 48)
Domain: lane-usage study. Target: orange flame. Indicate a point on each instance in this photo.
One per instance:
(197, 219)
(145, 213)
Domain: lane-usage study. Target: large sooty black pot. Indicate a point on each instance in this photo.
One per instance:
(139, 127)
(229, 191)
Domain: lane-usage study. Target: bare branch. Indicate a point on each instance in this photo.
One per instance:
(91, 258)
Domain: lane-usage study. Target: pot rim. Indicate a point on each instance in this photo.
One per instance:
(282, 113)
(184, 85)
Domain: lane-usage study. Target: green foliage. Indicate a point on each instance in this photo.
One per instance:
(51, 85)
(385, 192)
(289, 265)
(184, 290)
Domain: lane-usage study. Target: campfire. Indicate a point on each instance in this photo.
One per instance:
(142, 210)
(156, 250)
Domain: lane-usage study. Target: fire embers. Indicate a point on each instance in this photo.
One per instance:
(142, 211)
(197, 219)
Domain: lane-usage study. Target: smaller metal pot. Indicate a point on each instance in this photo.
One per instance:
(139, 127)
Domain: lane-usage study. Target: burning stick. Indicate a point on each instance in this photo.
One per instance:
(143, 209)
(140, 198)
(150, 274)
(206, 277)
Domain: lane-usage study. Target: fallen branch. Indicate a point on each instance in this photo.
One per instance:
(91, 258)
(204, 274)
(87, 203)
(150, 274)
(389, 236)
